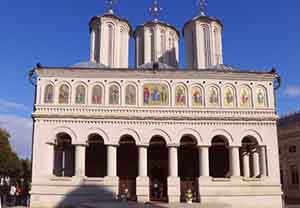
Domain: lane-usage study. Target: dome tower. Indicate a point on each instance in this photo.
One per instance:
(110, 39)
(156, 42)
(203, 40)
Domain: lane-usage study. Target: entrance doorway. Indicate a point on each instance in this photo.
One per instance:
(188, 158)
(158, 169)
(127, 167)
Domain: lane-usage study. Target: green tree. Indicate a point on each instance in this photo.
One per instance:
(10, 164)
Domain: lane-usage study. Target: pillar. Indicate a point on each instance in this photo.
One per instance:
(235, 162)
(204, 161)
(112, 161)
(80, 160)
(255, 163)
(173, 179)
(262, 161)
(112, 180)
(246, 164)
(93, 45)
(142, 181)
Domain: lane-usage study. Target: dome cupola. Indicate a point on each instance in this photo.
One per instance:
(203, 40)
(156, 41)
(110, 39)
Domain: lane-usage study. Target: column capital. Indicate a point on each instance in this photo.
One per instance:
(112, 144)
(204, 146)
(173, 145)
(143, 145)
(80, 145)
(235, 146)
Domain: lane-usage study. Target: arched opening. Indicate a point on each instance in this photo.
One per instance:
(95, 157)
(127, 166)
(158, 168)
(249, 157)
(188, 158)
(64, 156)
(219, 157)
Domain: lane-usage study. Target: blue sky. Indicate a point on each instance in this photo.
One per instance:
(258, 34)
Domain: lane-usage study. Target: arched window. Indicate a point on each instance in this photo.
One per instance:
(229, 97)
(64, 94)
(152, 52)
(261, 97)
(213, 97)
(245, 97)
(114, 95)
(217, 45)
(163, 41)
(130, 95)
(80, 95)
(97, 95)
(64, 156)
(123, 44)
(95, 157)
(180, 96)
(197, 97)
(111, 38)
(219, 157)
(49, 94)
(207, 45)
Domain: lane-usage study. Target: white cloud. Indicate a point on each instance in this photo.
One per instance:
(20, 130)
(7, 106)
(293, 91)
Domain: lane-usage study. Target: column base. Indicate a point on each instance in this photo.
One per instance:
(237, 179)
(112, 183)
(173, 189)
(143, 189)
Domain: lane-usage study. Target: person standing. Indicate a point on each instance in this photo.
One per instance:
(12, 194)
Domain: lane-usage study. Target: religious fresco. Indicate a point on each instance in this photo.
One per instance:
(245, 97)
(114, 95)
(130, 95)
(180, 96)
(80, 95)
(97, 95)
(197, 96)
(49, 94)
(261, 100)
(229, 97)
(156, 94)
(213, 97)
(63, 94)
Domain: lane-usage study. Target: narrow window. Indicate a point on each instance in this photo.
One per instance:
(49, 94)
(97, 95)
(80, 95)
(207, 46)
(152, 45)
(111, 37)
(114, 95)
(64, 93)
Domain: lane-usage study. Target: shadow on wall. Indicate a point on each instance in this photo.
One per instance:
(97, 196)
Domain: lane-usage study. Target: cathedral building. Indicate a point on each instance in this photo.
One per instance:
(155, 132)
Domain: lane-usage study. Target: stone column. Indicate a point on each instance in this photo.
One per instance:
(204, 161)
(262, 161)
(255, 163)
(173, 179)
(112, 180)
(246, 164)
(142, 181)
(80, 160)
(111, 161)
(93, 45)
(234, 161)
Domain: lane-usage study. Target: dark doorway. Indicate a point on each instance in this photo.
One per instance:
(95, 157)
(127, 166)
(188, 158)
(219, 158)
(158, 169)
(64, 156)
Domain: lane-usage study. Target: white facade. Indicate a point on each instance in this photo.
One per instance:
(203, 42)
(157, 42)
(256, 178)
(110, 41)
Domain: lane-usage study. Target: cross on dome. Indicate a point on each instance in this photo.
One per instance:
(155, 10)
(110, 5)
(202, 6)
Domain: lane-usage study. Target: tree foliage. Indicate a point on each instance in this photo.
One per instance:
(10, 164)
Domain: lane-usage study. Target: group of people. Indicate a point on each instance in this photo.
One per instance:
(14, 192)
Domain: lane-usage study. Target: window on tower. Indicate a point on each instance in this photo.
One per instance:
(80, 95)
(207, 46)
(64, 93)
(49, 94)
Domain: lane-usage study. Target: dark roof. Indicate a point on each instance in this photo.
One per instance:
(150, 23)
(291, 118)
(203, 19)
(112, 16)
